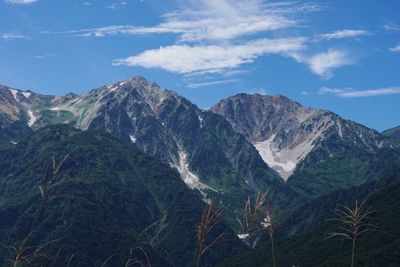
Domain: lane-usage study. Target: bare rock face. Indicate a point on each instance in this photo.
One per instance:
(286, 133)
(15, 105)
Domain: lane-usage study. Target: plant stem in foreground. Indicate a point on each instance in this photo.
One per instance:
(273, 251)
(353, 252)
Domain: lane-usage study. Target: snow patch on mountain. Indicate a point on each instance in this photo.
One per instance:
(113, 88)
(200, 121)
(32, 118)
(190, 179)
(27, 94)
(340, 131)
(14, 92)
(284, 161)
(284, 158)
(133, 138)
(272, 156)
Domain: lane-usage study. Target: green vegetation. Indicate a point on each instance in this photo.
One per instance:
(107, 195)
(351, 167)
(12, 132)
(55, 117)
(302, 240)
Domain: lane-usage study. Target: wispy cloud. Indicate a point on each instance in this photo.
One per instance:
(352, 93)
(194, 85)
(212, 77)
(120, 29)
(44, 56)
(187, 59)
(341, 34)
(15, 2)
(259, 91)
(224, 20)
(324, 63)
(305, 93)
(12, 36)
(86, 3)
(391, 27)
(209, 20)
(395, 49)
(296, 7)
(117, 5)
(213, 72)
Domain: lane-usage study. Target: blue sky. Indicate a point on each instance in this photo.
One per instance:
(341, 55)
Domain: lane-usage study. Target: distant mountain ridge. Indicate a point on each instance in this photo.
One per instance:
(393, 132)
(226, 152)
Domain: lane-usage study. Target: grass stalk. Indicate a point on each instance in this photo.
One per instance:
(209, 219)
(353, 223)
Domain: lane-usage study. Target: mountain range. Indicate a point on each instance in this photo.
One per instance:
(243, 145)
(258, 142)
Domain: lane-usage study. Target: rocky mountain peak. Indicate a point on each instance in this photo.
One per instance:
(258, 117)
(143, 89)
(139, 79)
(285, 133)
(16, 105)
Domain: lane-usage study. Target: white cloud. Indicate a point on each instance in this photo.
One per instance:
(209, 20)
(224, 20)
(210, 83)
(117, 5)
(341, 34)
(322, 64)
(210, 73)
(15, 2)
(395, 49)
(214, 36)
(12, 36)
(187, 59)
(122, 29)
(44, 56)
(351, 93)
(391, 27)
(259, 91)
